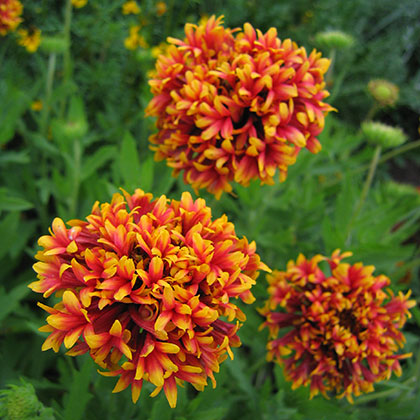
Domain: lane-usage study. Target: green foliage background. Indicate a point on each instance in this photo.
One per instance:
(91, 137)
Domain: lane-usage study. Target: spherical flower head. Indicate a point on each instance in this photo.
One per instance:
(334, 40)
(30, 40)
(161, 8)
(383, 135)
(344, 328)
(148, 289)
(235, 105)
(384, 92)
(10, 12)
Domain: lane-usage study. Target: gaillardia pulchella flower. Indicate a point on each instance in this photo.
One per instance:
(10, 12)
(143, 286)
(235, 105)
(343, 327)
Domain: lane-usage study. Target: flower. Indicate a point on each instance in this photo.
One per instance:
(235, 108)
(10, 11)
(29, 39)
(383, 135)
(144, 284)
(134, 40)
(343, 326)
(384, 92)
(161, 8)
(130, 7)
(79, 3)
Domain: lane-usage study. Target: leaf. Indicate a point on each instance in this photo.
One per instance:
(97, 160)
(10, 202)
(76, 400)
(11, 156)
(10, 300)
(129, 163)
(12, 105)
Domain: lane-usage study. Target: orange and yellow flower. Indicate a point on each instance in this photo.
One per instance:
(344, 328)
(135, 40)
(235, 105)
(161, 8)
(10, 12)
(144, 286)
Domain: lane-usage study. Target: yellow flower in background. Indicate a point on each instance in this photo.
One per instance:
(10, 11)
(157, 50)
(135, 40)
(29, 39)
(161, 8)
(131, 7)
(79, 3)
(36, 105)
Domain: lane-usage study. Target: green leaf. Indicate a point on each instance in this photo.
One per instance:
(12, 105)
(97, 160)
(11, 202)
(76, 400)
(129, 163)
(10, 300)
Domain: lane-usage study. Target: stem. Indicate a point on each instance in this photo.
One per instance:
(48, 90)
(67, 56)
(365, 190)
(372, 112)
(385, 157)
(77, 155)
(328, 76)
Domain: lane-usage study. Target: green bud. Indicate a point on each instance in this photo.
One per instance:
(383, 135)
(334, 40)
(384, 92)
(19, 402)
(54, 44)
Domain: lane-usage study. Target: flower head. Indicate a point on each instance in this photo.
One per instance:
(344, 328)
(161, 8)
(235, 107)
(144, 284)
(130, 7)
(334, 39)
(10, 12)
(30, 39)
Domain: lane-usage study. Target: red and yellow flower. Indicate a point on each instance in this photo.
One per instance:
(343, 327)
(147, 288)
(235, 105)
(10, 12)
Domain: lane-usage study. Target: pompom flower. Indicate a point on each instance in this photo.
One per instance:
(10, 12)
(343, 327)
(144, 285)
(235, 105)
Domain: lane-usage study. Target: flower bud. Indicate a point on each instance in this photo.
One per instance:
(334, 40)
(384, 92)
(54, 44)
(383, 135)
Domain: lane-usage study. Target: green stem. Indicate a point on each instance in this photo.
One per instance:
(365, 190)
(385, 157)
(328, 76)
(77, 160)
(48, 91)
(372, 112)
(67, 66)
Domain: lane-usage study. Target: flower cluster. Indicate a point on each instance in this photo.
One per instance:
(343, 326)
(10, 12)
(235, 105)
(144, 284)
(130, 7)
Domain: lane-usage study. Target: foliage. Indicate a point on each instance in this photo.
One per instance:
(91, 137)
